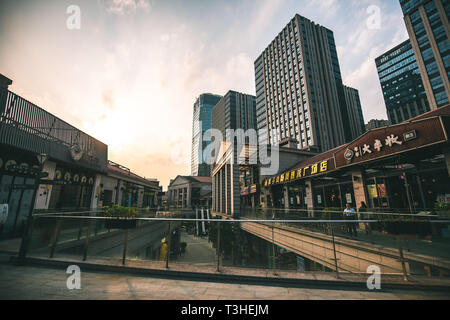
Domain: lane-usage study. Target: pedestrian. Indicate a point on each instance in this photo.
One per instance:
(349, 215)
(367, 225)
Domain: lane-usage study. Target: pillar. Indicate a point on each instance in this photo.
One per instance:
(358, 188)
(286, 197)
(309, 195)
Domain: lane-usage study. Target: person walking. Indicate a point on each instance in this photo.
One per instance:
(367, 225)
(350, 214)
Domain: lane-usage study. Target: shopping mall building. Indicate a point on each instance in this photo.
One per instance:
(403, 167)
(47, 164)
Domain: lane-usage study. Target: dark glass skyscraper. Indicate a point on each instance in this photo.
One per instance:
(234, 111)
(428, 27)
(401, 83)
(299, 90)
(354, 110)
(201, 123)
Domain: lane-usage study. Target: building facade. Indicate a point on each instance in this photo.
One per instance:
(234, 111)
(201, 123)
(73, 163)
(74, 173)
(427, 22)
(188, 192)
(399, 168)
(375, 124)
(354, 110)
(120, 186)
(299, 90)
(401, 83)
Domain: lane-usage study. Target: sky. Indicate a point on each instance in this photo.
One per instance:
(129, 76)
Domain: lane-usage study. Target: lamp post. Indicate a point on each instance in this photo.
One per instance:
(42, 158)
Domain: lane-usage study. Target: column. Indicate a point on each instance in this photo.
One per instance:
(96, 192)
(358, 187)
(286, 197)
(309, 195)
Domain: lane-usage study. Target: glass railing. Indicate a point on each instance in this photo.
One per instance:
(279, 243)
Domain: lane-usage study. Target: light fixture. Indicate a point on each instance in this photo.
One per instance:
(42, 158)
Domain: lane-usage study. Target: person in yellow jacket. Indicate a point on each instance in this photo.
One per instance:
(163, 250)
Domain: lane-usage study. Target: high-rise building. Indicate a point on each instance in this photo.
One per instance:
(234, 111)
(375, 124)
(354, 110)
(427, 22)
(202, 122)
(299, 90)
(401, 83)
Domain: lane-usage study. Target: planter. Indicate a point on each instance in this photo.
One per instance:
(120, 223)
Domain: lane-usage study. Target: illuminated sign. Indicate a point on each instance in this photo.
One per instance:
(317, 168)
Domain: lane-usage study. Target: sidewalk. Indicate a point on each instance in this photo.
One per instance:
(39, 283)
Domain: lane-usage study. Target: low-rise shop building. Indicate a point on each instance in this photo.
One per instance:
(403, 167)
(188, 191)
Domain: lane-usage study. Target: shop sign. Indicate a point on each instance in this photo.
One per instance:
(366, 149)
(253, 188)
(315, 169)
(349, 197)
(391, 140)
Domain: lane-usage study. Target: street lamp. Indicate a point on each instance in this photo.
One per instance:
(42, 158)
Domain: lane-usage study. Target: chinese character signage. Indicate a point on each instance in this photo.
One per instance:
(307, 171)
(391, 140)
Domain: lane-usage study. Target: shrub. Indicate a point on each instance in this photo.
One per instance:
(119, 211)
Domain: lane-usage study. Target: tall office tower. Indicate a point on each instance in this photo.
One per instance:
(234, 111)
(428, 27)
(354, 110)
(375, 124)
(202, 122)
(299, 90)
(401, 83)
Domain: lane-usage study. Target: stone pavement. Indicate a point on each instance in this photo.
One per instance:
(49, 283)
(198, 250)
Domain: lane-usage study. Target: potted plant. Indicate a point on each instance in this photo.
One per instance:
(120, 217)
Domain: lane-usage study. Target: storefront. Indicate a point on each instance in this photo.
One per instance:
(403, 168)
(248, 181)
(70, 163)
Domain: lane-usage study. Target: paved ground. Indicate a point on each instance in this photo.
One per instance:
(39, 283)
(198, 250)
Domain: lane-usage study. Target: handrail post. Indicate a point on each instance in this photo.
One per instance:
(402, 259)
(25, 240)
(125, 247)
(334, 252)
(218, 246)
(86, 241)
(55, 237)
(169, 235)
